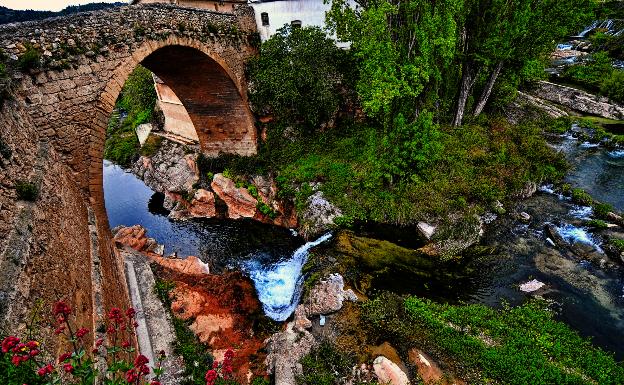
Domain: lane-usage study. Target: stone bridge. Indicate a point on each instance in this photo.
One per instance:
(53, 127)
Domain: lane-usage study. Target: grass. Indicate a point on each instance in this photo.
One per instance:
(514, 346)
(597, 224)
(27, 191)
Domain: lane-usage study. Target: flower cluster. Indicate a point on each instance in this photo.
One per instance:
(20, 352)
(221, 370)
(140, 369)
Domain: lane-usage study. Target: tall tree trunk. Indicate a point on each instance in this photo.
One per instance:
(468, 80)
(487, 91)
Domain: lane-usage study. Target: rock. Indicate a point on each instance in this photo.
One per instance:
(301, 320)
(388, 372)
(285, 350)
(239, 201)
(531, 286)
(318, 216)
(579, 100)
(426, 229)
(328, 295)
(134, 237)
(428, 370)
(170, 169)
(190, 265)
(525, 216)
(203, 204)
(388, 351)
(143, 131)
(529, 189)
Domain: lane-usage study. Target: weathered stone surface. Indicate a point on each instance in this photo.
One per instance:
(388, 372)
(240, 203)
(203, 204)
(285, 349)
(169, 170)
(328, 295)
(579, 100)
(318, 216)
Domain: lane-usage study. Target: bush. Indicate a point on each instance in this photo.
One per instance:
(618, 244)
(601, 210)
(597, 224)
(27, 191)
(30, 59)
(581, 197)
(325, 365)
(613, 86)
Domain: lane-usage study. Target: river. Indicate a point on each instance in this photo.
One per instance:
(587, 296)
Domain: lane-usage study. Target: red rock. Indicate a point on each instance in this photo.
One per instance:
(240, 203)
(388, 372)
(429, 371)
(190, 265)
(203, 204)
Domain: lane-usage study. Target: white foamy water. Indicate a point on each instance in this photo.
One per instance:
(589, 145)
(616, 154)
(279, 285)
(582, 212)
(574, 234)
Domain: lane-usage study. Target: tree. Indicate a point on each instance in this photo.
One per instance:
(299, 77)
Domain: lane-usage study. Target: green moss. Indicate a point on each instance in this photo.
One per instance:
(27, 191)
(618, 243)
(601, 210)
(151, 145)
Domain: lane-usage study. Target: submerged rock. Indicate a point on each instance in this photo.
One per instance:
(531, 286)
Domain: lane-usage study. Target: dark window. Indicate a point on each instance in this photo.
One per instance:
(295, 23)
(265, 18)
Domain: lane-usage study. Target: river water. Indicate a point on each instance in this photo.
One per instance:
(587, 296)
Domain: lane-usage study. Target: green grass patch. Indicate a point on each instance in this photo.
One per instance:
(26, 191)
(581, 197)
(514, 346)
(597, 224)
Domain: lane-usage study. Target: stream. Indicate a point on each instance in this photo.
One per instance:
(586, 295)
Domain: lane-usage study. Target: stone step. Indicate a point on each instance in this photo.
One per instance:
(155, 331)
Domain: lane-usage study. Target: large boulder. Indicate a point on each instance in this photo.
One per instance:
(328, 295)
(318, 216)
(203, 204)
(240, 203)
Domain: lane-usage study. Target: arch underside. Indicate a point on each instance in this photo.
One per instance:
(220, 115)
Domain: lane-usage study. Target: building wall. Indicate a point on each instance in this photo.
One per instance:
(309, 12)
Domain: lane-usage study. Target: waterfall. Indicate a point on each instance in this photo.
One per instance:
(279, 285)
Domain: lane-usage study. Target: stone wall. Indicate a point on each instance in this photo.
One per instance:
(60, 245)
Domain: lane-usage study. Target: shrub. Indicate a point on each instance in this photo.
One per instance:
(597, 224)
(325, 365)
(581, 197)
(27, 191)
(30, 59)
(613, 86)
(601, 210)
(618, 244)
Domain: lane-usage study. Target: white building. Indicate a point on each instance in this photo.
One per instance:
(273, 15)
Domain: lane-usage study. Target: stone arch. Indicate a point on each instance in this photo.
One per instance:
(221, 115)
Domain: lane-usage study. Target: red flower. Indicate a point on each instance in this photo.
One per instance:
(94, 351)
(16, 360)
(125, 344)
(59, 329)
(68, 368)
(162, 355)
(115, 315)
(211, 377)
(34, 352)
(140, 361)
(130, 313)
(155, 382)
(131, 376)
(64, 357)
(61, 309)
(82, 332)
(9, 343)
(32, 345)
(99, 342)
(48, 369)
(111, 330)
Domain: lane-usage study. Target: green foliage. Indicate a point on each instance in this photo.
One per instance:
(26, 191)
(597, 224)
(30, 59)
(260, 381)
(122, 148)
(618, 243)
(515, 346)
(601, 210)
(613, 86)
(17, 375)
(592, 72)
(195, 354)
(298, 77)
(581, 197)
(325, 365)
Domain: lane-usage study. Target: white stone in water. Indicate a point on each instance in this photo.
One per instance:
(531, 286)
(551, 242)
(322, 320)
(426, 229)
(525, 216)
